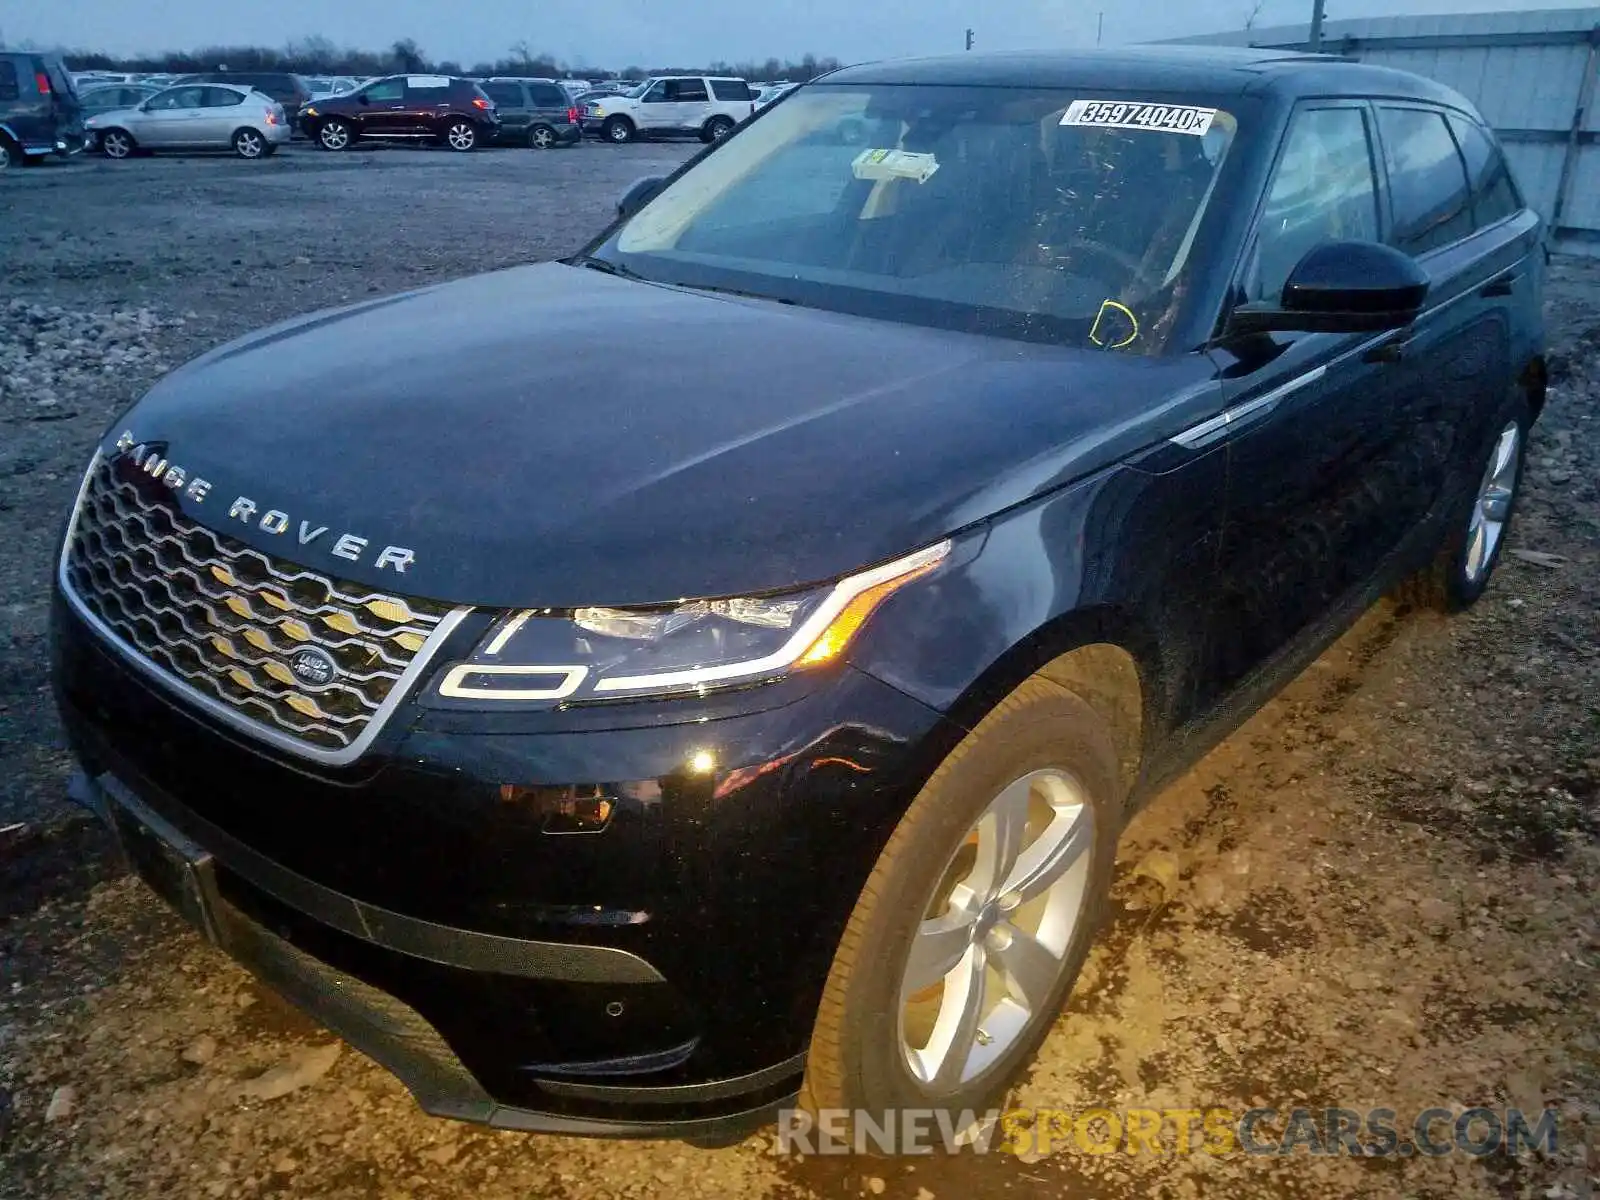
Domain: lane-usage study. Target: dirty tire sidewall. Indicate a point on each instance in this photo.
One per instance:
(855, 1059)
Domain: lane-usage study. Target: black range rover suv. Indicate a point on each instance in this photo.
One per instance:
(617, 742)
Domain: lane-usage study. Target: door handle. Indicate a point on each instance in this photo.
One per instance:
(1501, 286)
(1391, 351)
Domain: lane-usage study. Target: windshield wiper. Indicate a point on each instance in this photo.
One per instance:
(611, 268)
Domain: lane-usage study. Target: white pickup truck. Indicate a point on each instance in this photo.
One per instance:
(703, 105)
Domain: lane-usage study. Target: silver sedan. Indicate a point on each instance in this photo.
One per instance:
(197, 116)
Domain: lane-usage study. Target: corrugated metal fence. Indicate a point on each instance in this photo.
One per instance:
(1532, 74)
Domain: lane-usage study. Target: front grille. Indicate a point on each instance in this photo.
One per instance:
(228, 620)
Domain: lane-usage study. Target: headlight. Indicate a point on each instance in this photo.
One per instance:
(590, 654)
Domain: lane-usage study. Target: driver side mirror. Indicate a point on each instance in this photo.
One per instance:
(1341, 287)
(640, 193)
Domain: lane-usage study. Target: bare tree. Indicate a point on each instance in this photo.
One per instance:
(1255, 11)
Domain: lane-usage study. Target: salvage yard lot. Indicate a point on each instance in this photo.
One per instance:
(1384, 891)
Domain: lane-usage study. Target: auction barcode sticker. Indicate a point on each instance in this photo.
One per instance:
(1132, 114)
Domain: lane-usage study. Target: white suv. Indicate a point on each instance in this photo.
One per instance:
(706, 106)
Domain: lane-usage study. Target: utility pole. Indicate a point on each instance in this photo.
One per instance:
(1315, 42)
(969, 37)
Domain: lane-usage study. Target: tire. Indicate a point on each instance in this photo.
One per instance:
(9, 155)
(863, 1043)
(334, 134)
(117, 143)
(1459, 573)
(618, 131)
(248, 143)
(716, 129)
(542, 137)
(461, 136)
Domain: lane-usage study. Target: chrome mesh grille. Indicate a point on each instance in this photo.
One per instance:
(226, 619)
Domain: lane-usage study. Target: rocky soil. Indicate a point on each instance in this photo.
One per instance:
(1383, 891)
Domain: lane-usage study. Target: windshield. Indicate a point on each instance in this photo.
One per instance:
(1039, 214)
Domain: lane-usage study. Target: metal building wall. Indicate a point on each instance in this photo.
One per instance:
(1532, 75)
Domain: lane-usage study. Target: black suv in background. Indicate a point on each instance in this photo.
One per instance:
(287, 88)
(39, 109)
(444, 108)
(534, 112)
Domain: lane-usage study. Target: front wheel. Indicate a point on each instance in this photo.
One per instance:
(461, 136)
(977, 917)
(618, 130)
(116, 143)
(247, 143)
(335, 135)
(1459, 573)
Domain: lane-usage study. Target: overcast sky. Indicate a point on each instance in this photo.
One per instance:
(616, 33)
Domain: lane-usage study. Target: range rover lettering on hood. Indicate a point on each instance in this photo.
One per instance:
(350, 546)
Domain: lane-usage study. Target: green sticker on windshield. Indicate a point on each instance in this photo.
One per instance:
(1132, 114)
(894, 164)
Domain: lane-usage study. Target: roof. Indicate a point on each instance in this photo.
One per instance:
(1165, 67)
(1485, 26)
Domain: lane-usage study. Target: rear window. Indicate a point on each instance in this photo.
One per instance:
(9, 89)
(548, 95)
(730, 89)
(506, 95)
(1494, 196)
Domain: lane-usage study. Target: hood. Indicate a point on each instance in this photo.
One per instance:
(555, 436)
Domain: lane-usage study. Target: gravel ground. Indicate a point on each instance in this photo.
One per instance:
(1383, 891)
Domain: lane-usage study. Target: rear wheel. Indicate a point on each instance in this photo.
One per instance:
(618, 130)
(1459, 573)
(247, 143)
(116, 143)
(334, 134)
(716, 129)
(461, 135)
(977, 917)
(8, 155)
(542, 137)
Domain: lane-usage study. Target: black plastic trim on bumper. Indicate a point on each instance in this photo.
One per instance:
(378, 1024)
(471, 950)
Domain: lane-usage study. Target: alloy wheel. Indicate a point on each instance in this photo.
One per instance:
(618, 132)
(334, 136)
(116, 144)
(249, 144)
(991, 948)
(5, 155)
(461, 136)
(542, 138)
(1492, 508)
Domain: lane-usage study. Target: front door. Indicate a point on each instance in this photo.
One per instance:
(173, 119)
(380, 109)
(1332, 445)
(659, 107)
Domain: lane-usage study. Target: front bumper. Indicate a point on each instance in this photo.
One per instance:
(658, 978)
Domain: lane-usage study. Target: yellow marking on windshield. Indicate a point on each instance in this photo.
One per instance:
(1133, 325)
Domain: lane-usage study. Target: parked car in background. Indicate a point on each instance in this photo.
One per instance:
(323, 86)
(772, 92)
(193, 116)
(448, 109)
(109, 97)
(40, 113)
(707, 107)
(533, 112)
(286, 87)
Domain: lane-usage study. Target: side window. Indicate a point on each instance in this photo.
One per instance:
(1494, 196)
(1324, 188)
(660, 92)
(730, 89)
(506, 95)
(386, 90)
(1427, 183)
(9, 88)
(547, 95)
(691, 90)
(218, 97)
(183, 97)
(427, 89)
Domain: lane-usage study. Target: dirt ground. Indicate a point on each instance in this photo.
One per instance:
(1384, 891)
